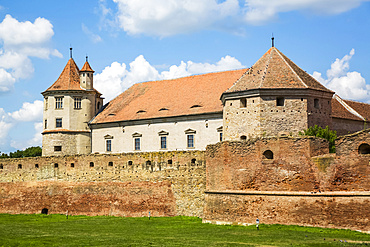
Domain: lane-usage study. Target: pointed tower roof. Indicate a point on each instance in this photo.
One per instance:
(69, 79)
(274, 71)
(87, 68)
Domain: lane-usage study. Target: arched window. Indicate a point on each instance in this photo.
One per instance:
(364, 149)
(44, 211)
(268, 154)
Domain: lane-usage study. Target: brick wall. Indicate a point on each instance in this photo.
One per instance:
(185, 176)
(302, 184)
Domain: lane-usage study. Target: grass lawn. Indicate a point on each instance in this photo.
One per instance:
(56, 230)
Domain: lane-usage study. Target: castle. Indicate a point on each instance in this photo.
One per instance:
(222, 146)
(272, 97)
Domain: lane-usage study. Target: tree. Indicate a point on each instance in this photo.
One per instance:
(326, 133)
(28, 152)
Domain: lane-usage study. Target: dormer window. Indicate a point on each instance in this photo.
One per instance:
(195, 106)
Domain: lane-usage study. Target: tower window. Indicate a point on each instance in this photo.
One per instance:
(46, 103)
(46, 124)
(58, 123)
(243, 102)
(220, 136)
(91, 164)
(280, 101)
(77, 103)
(57, 148)
(190, 141)
(316, 103)
(58, 102)
(109, 145)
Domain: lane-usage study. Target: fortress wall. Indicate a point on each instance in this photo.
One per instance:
(185, 179)
(346, 126)
(242, 165)
(344, 210)
(302, 184)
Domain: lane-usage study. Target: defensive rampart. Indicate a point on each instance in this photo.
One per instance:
(165, 183)
(289, 181)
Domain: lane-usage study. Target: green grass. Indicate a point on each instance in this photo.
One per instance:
(56, 230)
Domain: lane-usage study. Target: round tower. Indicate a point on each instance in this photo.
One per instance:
(69, 104)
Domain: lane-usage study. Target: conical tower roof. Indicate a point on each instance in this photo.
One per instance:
(275, 71)
(87, 68)
(69, 79)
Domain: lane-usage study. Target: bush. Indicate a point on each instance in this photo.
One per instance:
(326, 133)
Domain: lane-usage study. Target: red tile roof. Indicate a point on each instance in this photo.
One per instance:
(274, 70)
(69, 79)
(339, 110)
(183, 96)
(362, 108)
(87, 67)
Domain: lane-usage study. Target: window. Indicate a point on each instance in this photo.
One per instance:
(58, 103)
(58, 123)
(169, 162)
(316, 103)
(280, 101)
(243, 138)
(268, 154)
(110, 163)
(77, 103)
(19, 166)
(72, 165)
(1, 166)
(137, 143)
(163, 142)
(55, 165)
(190, 141)
(36, 165)
(57, 148)
(221, 137)
(46, 103)
(109, 145)
(46, 124)
(364, 149)
(130, 162)
(243, 102)
(193, 161)
(91, 164)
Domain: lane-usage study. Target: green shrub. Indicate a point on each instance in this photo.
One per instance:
(326, 133)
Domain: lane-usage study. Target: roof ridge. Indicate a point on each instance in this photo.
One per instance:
(265, 72)
(291, 67)
(348, 108)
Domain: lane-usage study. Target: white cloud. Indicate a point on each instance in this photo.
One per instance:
(116, 78)
(20, 41)
(169, 17)
(349, 85)
(29, 112)
(5, 126)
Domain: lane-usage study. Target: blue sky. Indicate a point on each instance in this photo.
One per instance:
(130, 41)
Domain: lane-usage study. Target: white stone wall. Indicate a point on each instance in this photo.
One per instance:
(123, 141)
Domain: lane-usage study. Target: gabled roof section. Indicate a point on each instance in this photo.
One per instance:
(178, 96)
(87, 68)
(273, 71)
(348, 109)
(69, 79)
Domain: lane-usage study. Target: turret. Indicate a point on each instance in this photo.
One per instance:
(87, 76)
